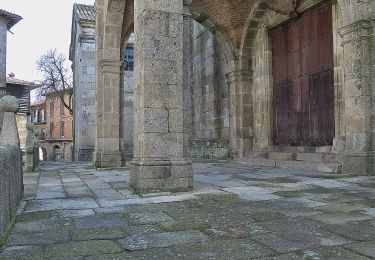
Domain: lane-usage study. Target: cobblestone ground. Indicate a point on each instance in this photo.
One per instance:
(235, 212)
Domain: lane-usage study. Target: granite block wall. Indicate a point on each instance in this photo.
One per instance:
(11, 185)
(210, 97)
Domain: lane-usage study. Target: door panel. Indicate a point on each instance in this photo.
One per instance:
(303, 79)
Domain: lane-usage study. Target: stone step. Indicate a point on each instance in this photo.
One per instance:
(318, 157)
(300, 149)
(261, 162)
(281, 156)
(256, 154)
(292, 164)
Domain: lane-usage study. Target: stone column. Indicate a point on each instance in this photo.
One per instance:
(3, 52)
(107, 149)
(159, 162)
(30, 167)
(359, 97)
(241, 111)
(187, 79)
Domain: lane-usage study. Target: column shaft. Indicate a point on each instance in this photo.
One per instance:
(160, 163)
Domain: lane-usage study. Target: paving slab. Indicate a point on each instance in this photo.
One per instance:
(81, 248)
(234, 212)
(54, 204)
(167, 239)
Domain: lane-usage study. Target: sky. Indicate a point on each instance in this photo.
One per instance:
(46, 24)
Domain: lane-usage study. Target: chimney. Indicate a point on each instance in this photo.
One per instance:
(11, 75)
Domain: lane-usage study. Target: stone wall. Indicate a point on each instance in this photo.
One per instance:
(11, 182)
(127, 110)
(84, 92)
(10, 185)
(210, 104)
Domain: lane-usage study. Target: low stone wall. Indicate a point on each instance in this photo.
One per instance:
(11, 185)
(210, 149)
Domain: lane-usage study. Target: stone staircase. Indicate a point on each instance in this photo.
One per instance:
(319, 159)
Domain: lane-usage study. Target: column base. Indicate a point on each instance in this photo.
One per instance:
(107, 159)
(151, 176)
(359, 163)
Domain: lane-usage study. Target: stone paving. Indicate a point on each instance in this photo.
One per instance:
(71, 211)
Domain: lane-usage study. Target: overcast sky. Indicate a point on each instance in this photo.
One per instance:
(46, 25)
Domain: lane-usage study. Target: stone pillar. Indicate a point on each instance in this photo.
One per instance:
(241, 111)
(159, 162)
(36, 149)
(9, 137)
(359, 97)
(3, 52)
(30, 167)
(107, 149)
(187, 79)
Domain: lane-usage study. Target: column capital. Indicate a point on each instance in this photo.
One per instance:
(359, 30)
(112, 66)
(235, 75)
(187, 2)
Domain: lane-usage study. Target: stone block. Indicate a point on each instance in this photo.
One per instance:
(359, 164)
(168, 6)
(156, 120)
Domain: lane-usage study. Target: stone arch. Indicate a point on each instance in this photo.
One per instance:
(113, 27)
(259, 21)
(225, 42)
(251, 28)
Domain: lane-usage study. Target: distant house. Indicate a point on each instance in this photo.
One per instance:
(54, 124)
(21, 90)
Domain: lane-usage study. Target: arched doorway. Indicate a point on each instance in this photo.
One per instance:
(57, 153)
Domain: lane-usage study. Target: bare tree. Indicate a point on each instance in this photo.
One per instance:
(57, 79)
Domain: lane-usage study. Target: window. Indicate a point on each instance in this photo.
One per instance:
(129, 59)
(51, 129)
(42, 134)
(39, 115)
(62, 128)
(51, 109)
(62, 108)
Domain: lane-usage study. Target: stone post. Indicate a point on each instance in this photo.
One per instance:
(30, 167)
(107, 149)
(241, 111)
(9, 133)
(9, 137)
(36, 149)
(159, 162)
(359, 97)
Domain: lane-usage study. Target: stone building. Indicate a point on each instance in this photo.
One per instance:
(7, 21)
(82, 55)
(298, 74)
(38, 118)
(58, 143)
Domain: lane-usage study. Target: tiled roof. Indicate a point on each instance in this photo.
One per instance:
(12, 19)
(14, 81)
(84, 12)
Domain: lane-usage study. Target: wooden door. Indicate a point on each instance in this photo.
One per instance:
(303, 79)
